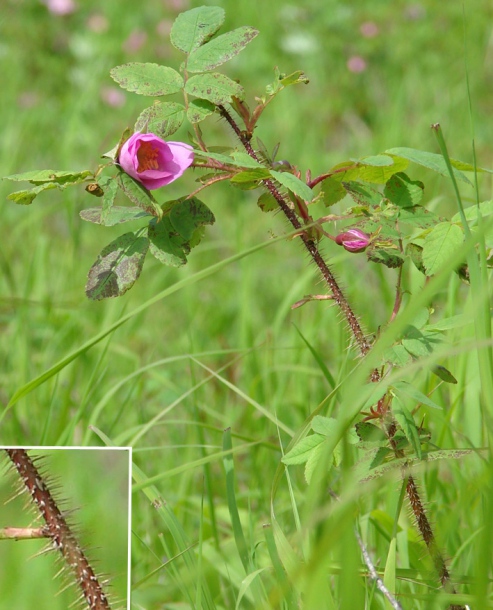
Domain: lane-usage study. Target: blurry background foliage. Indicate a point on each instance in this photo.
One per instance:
(380, 73)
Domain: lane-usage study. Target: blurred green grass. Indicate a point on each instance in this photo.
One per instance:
(56, 113)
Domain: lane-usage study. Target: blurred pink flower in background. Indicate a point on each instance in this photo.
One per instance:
(98, 23)
(369, 29)
(356, 64)
(112, 96)
(154, 162)
(135, 41)
(60, 7)
(163, 28)
(28, 99)
(177, 5)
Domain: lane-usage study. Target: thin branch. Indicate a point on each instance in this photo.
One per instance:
(373, 573)
(23, 533)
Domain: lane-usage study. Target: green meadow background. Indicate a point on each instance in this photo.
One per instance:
(227, 351)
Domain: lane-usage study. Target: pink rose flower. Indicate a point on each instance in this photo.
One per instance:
(152, 161)
(353, 240)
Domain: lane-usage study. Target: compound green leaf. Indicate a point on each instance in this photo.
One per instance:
(27, 197)
(267, 203)
(198, 110)
(237, 159)
(251, 175)
(376, 160)
(417, 216)
(345, 171)
(362, 194)
(110, 187)
(301, 452)
(187, 215)
(294, 184)
(457, 321)
(195, 27)
(333, 192)
(116, 215)
(214, 87)
(420, 343)
(168, 247)
(118, 266)
(147, 79)
(398, 355)
(221, 49)
(409, 390)
(471, 213)
(416, 253)
(313, 461)
(390, 258)
(407, 423)
(440, 244)
(323, 425)
(62, 178)
(444, 374)
(161, 119)
(369, 433)
(139, 195)
(427, 159)
(403, 191)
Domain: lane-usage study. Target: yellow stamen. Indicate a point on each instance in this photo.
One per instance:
(147, 157)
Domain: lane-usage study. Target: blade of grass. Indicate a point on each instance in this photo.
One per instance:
(247, 398)
(284, 591)
(318, 358)
(239, 536)
(177, 532)
(200, 275)
(238, 533)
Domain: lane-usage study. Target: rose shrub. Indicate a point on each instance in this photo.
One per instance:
(152, 161)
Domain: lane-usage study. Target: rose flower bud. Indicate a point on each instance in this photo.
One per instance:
(353, 240)
(152, 161)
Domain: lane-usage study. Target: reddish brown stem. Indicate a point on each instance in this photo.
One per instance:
(323, 177)
(383, 407)
(311, 246)
(58, 530)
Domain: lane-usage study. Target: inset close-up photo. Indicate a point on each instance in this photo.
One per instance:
(64, 528)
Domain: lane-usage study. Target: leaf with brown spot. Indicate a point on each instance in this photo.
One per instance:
(220, 50)
(118, 266)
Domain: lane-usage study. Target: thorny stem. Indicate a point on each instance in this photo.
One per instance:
(424, 524)
(311, 246)
(58, 530)
(364, 346)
